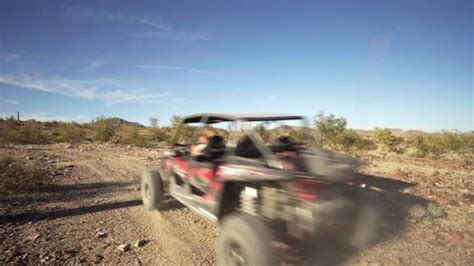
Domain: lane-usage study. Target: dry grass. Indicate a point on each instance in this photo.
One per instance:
(15, 176)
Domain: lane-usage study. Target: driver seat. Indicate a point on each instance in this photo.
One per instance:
(204, 168)
(214, 150)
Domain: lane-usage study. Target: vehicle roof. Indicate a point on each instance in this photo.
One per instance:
(220, 117)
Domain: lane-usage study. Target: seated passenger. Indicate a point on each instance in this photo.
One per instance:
(203, 140)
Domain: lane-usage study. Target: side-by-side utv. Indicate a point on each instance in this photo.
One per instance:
(257, 187)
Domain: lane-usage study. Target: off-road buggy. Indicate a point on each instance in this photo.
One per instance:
(258, 191)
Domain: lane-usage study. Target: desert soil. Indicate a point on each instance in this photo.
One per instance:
(94, 210)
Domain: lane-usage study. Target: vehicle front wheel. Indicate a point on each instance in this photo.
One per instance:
(245, 240)
(152, 190)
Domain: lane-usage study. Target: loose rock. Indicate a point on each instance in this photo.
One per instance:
(101, 234)
(140, 243)
(33, 237)
(124, 247)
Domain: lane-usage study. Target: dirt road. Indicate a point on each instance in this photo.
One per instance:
(94, 207)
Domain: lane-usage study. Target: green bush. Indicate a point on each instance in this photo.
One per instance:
(419, 144)
(70, 132)
(103, 129)
(441, 143)
(155, 134)
(22, 132)
(29, 132)
(129, 134)
(328, 127)
(346, 139)
(467, 140)
(185, 134)
(154, 122)
(303, 135)
(364, 144)
(385, 138)
(331, 131)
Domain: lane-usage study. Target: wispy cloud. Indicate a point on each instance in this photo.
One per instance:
(24, 56)
(173, 68)
(154, 24)
(165, 31)
(9, 56)
(46, 116)
(7, 101)
(82, 89)
(174, 35)
(94, 64)
(155, 27)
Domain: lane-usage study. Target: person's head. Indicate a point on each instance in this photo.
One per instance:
(205, 135)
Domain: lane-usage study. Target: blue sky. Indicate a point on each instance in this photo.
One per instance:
(398, 64)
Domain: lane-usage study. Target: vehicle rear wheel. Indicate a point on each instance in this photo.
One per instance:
(245, 240)
(152, 190)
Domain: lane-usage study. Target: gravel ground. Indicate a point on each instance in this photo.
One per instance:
(93, 214)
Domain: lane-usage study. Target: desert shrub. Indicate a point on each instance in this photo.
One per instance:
(303, 135)
(8, 126)
(185, 131)
(29, 132)
(70, 132)
(385, 138)
(129, 134)
(154, 132)
(328, 127)
(346, 139)
(175, 121)
(11, 122)
(364, 144)
(331, 131)
(22, 132)
(419, 144)
(14, 176)
(467, 140)
(53, 123)
(103, 129)
(441, 143)
(154, 122)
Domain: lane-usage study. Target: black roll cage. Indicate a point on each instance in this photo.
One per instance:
(211, 118)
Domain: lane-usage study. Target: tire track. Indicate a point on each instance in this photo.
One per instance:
(176, 236)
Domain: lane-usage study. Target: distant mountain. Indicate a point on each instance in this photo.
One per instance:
(395, 131)
(369, 132)
(120, 122)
